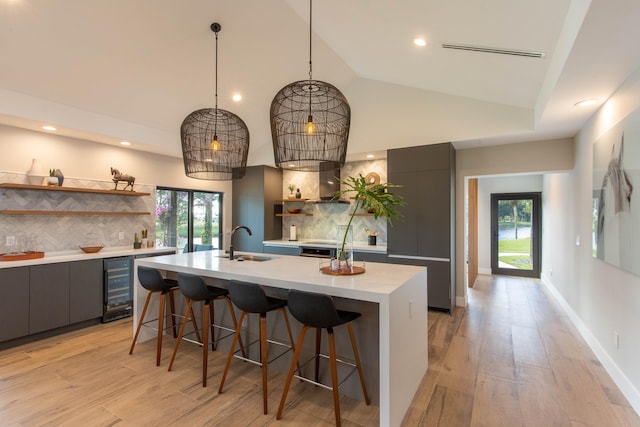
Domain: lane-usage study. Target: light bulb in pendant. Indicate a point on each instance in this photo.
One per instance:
(310, 128)
(215, 145)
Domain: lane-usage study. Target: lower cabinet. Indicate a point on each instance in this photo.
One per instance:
(281, 250)
(48, 297)
(14, 303)
(85, 290)
(370, 256)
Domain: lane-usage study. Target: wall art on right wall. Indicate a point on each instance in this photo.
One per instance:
(616, 195)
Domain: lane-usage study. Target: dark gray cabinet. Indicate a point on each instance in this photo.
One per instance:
(426, 234)
(282, 250)
(254, 197)
(85, 290)
(48, 297)
(14, 303)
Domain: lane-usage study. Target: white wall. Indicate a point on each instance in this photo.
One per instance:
(92, 161)
(599, 297)
(486, 187)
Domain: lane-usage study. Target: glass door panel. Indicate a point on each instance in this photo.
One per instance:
(172, 218)
(206, 221)
(515, 224)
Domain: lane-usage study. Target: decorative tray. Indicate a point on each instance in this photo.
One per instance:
(21, 256)
(91, 249)
(355, 270)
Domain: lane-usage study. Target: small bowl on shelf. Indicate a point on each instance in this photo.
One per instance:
(91, 249)
(294, 211)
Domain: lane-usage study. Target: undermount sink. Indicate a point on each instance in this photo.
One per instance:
(241, 257)
(252, 258)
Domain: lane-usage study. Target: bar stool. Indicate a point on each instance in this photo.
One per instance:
(195, 289)
(251, 298)
(152, 281)
(318, 311)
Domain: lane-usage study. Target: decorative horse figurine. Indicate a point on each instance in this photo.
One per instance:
(117, 177)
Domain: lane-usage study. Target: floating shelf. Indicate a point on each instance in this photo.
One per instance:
(72, 189)
(291, 200)
(298, 214)
(34, 212)
(362, 214)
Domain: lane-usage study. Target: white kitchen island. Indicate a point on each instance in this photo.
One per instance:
(398, 291)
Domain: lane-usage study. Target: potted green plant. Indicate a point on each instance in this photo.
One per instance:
(291, 188)
(52, 179)
(374, 198)
(137, 244)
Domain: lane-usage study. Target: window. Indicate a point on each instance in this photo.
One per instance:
(188, 220)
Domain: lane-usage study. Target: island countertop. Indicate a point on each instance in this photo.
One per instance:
(398, 291)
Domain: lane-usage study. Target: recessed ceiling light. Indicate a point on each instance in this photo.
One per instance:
(419, 41)
(125, 143)
(237, 97)
(49, 128)
(370, 156)
(586, 103)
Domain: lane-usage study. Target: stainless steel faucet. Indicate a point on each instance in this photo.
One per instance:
(233, 233)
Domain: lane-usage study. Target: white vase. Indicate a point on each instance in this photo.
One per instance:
(36, 173)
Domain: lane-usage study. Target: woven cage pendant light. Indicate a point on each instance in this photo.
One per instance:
(310, 122)
(215, 142)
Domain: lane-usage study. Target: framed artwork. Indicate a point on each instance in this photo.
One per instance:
(616, 195)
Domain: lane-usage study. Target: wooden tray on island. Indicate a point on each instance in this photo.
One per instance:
(21, 256)
(354, 271)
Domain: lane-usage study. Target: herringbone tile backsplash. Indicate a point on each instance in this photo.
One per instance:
(51, 233)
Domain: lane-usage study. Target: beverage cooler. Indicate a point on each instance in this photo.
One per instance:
(118, 288)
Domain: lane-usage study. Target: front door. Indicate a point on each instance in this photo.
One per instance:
(515, 234)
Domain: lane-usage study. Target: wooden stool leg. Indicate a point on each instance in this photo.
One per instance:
(213, 331)
(172, 306)
(184, 323)
(263, 358)
(317, 359)
(230, 356)
(293, 345)
(205, 340)
(334, 375)
(192, 316)
(161, 306)
(358, 364)
(292, 369)
(144, 311)
(235, 323)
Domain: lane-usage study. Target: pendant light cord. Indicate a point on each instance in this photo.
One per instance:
(310, 66)
(215, 119)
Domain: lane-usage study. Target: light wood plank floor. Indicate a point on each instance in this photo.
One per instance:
(512, 358)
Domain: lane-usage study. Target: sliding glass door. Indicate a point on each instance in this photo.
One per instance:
(515, 231)
(188, 220)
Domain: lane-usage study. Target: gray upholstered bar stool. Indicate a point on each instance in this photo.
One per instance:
(318, 311)
(251, 298)
(152, 281)
(195, 289)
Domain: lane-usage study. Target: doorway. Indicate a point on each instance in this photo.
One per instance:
(516, 234)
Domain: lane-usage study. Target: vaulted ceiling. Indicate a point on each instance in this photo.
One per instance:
(112, 70)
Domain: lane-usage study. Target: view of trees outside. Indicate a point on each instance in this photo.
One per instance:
(514, 234)
(173, 219)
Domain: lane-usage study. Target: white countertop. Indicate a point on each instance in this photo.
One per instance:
(78, 255)
(292, 272)
(357, 246)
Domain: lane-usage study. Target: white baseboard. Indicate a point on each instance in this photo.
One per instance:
(461, 301)
(617, 375)
(484, 271)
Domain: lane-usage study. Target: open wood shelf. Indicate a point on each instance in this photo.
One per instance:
(35, 212)
(298, 214)
(72, 189)
(362, 214)
(291, 200)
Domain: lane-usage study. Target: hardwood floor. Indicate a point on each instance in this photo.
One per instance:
(511, 358)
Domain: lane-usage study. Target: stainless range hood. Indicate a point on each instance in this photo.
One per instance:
(328, 184)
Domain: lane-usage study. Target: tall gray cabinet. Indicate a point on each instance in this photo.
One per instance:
(253, 206)
(426, 234)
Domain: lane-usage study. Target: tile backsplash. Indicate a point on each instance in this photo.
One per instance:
(50, 233)
(327, 216)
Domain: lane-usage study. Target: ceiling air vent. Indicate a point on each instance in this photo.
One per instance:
(527, 53)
